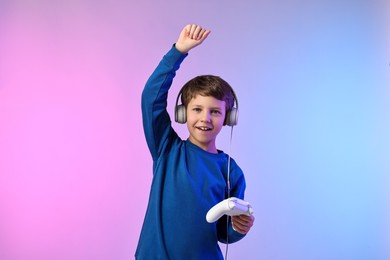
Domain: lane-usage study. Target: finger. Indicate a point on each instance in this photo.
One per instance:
(205, 34)
(239, 228)
(193, 29)
(238, 223)
(201, 34)
(247, 218)
(198, 32)
(187, 27)
(186, 30)
(243, 221)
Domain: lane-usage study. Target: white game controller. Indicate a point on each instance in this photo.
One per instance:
(231, 207)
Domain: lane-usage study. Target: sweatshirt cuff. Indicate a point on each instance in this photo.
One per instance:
(176, 53)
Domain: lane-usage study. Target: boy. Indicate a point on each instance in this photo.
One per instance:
(189, 177)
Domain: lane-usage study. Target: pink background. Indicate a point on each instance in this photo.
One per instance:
(312, 79)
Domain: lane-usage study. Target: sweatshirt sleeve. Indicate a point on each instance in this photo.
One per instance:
(156, 121)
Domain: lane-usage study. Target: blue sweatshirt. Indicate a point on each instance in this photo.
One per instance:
(187, 182)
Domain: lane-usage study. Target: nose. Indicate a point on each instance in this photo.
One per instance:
(206, 116)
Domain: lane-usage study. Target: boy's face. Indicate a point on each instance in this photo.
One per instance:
(205, 118)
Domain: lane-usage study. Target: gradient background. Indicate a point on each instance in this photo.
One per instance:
(312, 79)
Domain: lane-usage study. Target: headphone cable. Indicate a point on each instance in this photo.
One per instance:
(228, 193)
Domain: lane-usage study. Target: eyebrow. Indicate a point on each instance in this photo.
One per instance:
(213, 108)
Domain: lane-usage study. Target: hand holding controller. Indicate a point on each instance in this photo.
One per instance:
(231, 207)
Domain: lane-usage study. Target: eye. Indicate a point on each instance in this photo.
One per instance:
(196, 109)
(216, 112)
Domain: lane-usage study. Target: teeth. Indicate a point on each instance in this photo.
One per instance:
(204, 128)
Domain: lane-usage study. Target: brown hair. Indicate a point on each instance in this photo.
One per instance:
(208, 85)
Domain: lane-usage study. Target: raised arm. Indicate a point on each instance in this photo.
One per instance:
(156, 121)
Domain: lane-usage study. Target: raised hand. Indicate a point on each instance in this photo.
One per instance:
(191, 36)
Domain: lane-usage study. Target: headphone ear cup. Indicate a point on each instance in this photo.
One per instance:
(232, 117)
(180, 114)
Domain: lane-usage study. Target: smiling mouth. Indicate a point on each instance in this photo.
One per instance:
(202, 128)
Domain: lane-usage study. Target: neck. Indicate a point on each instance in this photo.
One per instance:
(208, 147)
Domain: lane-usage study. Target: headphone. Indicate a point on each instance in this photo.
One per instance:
(231, 117)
